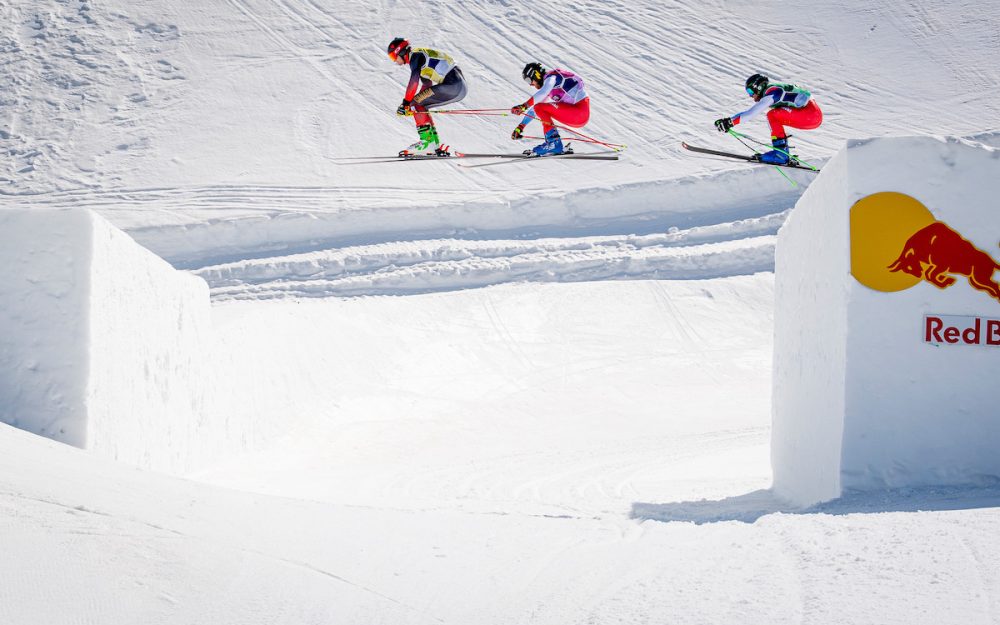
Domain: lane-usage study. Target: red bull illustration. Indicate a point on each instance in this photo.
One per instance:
(936, 250)
(896, 243)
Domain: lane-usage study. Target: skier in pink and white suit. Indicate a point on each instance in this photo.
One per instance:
(569, 105)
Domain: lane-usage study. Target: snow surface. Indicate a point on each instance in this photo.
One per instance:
(585, 438)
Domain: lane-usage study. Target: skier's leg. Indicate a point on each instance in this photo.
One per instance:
(420, 116)
(569, 115)
(573, 115)
(777, 119)
(806, 118)
(451, 90)
(543, 113)
(427, 133)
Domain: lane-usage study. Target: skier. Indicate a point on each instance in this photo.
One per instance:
(788, 106)
(435, 80)
(570, 105)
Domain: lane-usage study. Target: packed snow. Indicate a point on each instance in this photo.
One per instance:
(537, 392)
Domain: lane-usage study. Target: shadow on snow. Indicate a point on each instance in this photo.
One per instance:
(752, 506)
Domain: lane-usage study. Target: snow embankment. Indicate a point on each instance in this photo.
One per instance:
(738, 248)
(105, 346)
(103, 343)
(866, 396)
(673, 229)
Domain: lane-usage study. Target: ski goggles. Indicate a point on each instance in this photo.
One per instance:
(750, 91)
(395, 52)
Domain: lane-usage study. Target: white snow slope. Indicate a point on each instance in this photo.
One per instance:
(582, 439)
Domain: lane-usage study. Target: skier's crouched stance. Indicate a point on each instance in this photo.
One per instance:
(569, 105)
(435, 80)
(786, 105)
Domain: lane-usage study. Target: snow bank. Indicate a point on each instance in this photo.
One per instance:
(871, 388)
(102, 343)
(248, 222)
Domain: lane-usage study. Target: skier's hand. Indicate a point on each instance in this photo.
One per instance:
(403, 109)
(724, 124)
(518, 132)
(518, 109)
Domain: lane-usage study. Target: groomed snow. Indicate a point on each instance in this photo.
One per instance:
(518, 393)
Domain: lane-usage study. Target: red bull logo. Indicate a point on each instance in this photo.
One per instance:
(896, 243)
(936, 251)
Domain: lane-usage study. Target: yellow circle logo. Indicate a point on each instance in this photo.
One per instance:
(896, 243)
(881, 224)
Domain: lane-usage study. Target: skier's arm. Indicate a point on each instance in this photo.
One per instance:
(546, 89)
(416, 64)
(766, 102)
(539, 96)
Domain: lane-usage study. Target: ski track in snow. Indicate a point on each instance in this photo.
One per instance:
(431, 265)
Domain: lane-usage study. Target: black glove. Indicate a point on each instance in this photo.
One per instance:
(518, 109)
(518, 132)
(404, 108)
(724, 124)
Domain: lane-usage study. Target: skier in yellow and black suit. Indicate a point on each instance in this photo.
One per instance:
(435, 80)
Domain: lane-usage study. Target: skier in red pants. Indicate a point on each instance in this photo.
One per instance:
(787, 105)
(570, 105)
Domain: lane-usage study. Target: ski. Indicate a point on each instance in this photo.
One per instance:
(750, 159)
(519, 158)
(609, 155)
(365, 160)
(570, 152)
(496, 155)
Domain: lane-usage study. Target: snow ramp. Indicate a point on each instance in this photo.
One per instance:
(887, 322)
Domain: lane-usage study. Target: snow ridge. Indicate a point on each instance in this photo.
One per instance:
(719, 250)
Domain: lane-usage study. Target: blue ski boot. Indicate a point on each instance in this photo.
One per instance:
(553, 145)
(777, 156)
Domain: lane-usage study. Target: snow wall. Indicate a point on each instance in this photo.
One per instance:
(102, 343)
(887, 322)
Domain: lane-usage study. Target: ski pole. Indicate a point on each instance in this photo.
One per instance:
(503, 112)
(474, 113)
(484, 112)
(480, 110)
(786, 177)
(617, 147)
(577, 139)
